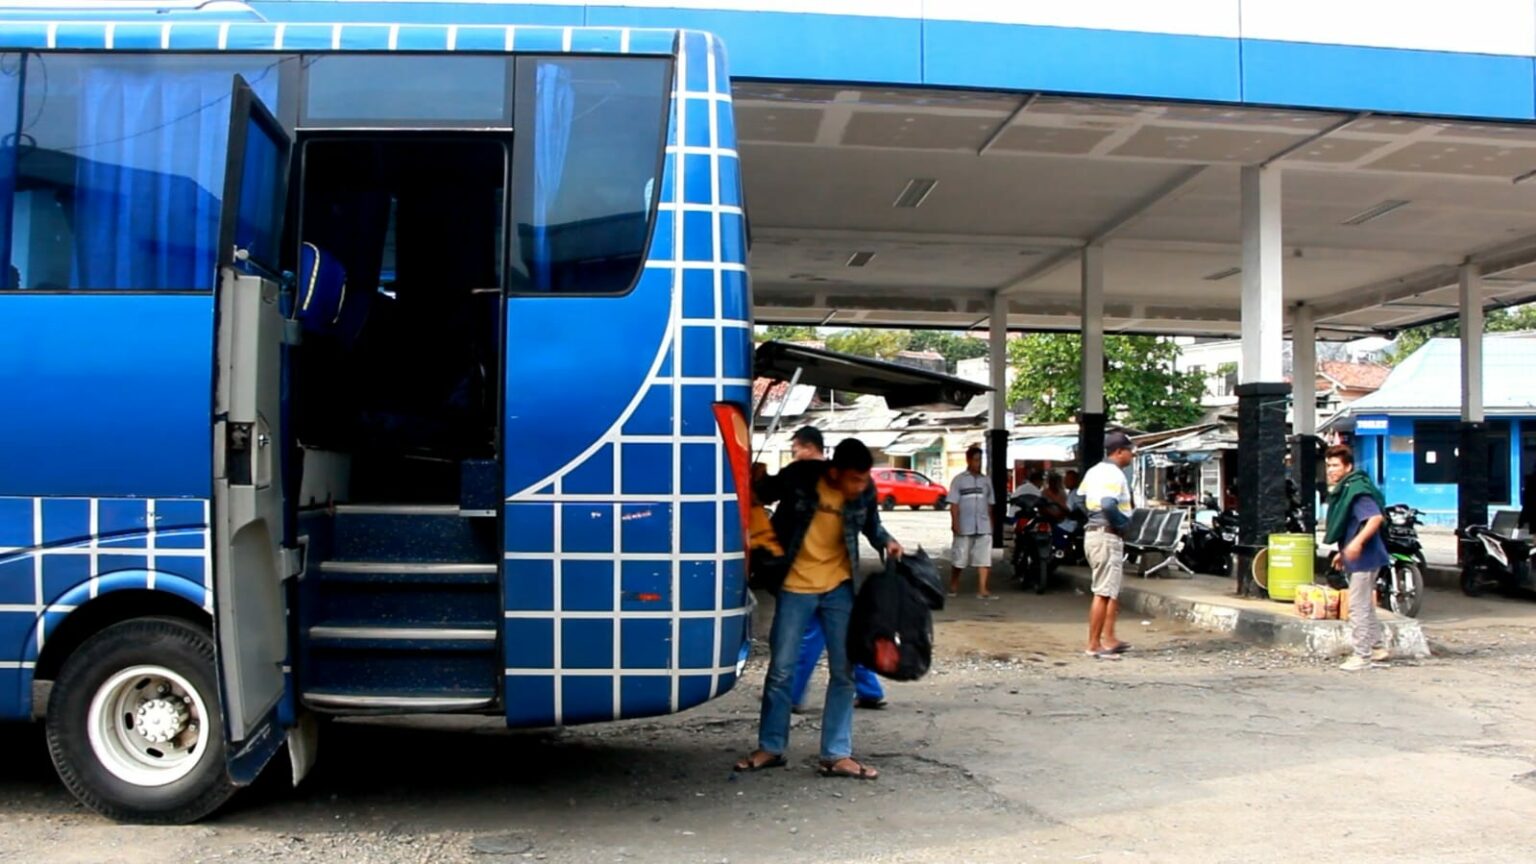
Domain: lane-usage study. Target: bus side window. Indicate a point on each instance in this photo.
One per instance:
(591, 136)
(119, 168)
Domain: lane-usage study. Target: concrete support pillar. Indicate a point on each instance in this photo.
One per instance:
(1304, 371)
(997, 437)
(1262, 393)
(1304, 449)
(1472, 461)
(1263, 310)
(1092, 418)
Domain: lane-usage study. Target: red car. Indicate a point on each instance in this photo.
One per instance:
(900, 487)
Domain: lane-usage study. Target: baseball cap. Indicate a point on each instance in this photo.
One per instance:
(1117, 441)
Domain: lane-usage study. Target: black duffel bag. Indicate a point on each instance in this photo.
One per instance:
(891, 631)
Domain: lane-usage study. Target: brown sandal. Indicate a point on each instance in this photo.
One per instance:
(858, 771)
(749, 764)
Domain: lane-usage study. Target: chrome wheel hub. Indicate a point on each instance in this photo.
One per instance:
(160, 720)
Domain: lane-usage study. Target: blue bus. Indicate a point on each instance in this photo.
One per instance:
(361, 369)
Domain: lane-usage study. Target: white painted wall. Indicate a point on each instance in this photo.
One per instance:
(1469, 26)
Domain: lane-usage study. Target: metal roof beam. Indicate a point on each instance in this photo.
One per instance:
(1312, 139)
(1495, 260)
(1007, 124)
(1176, 184)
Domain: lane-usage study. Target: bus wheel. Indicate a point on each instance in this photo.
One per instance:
(134, 725)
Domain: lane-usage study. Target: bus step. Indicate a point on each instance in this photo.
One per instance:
(363, 636)
(418, 533)
(407, 604)
(403, 671)
(346, 702)
(408, 572)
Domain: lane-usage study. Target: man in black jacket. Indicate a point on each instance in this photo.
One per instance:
(823, 508)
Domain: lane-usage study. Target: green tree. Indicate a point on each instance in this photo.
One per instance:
(1142, 388)
(785, 333)
(1497, 321)
(869, 342)
(954, 346)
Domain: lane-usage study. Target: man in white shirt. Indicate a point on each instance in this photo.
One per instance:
(972, 518)
(1107, 496)
(1030, 486)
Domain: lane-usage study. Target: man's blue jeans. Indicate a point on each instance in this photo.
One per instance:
(794, 613)
(866, 685)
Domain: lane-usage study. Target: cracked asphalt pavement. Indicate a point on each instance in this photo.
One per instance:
(1015, 748)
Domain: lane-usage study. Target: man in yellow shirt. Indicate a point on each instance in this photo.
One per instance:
(823, 508)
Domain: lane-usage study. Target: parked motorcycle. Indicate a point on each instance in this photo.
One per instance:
(1034, 559)
(1400, 584)
(1208, 546)
(1495, 560)
(1067, 539)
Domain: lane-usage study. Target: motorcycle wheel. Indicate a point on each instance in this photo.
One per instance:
(1042, 574)
(1020, 561)
(1407, 596)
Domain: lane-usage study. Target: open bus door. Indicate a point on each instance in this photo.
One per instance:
(249, 563)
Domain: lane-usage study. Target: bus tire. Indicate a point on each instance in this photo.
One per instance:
(134, 724)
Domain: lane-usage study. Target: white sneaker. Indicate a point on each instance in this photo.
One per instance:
(1355, 663)
(1380, 655)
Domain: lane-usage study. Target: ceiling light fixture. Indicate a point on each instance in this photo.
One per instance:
(916, 191)
(859, 259)
(1376, 212)
(1223, 274)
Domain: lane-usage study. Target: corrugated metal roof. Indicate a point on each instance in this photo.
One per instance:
(1044, 448)
(911, 444)
(1429, 381)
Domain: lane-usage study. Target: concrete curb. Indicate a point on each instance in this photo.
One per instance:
(1278, 629)
(1441, 576)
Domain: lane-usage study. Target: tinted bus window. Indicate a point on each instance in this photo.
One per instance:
(120, 168)
(258, 219)
(10, 120)
(587, 161)
(406, 91)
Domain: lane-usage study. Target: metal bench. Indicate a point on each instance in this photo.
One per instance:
(1161, 532)
(1137, 527)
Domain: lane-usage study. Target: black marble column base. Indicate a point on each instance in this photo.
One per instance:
(1471, 479)
(1000, 468)
(1261, 444)
(1090, 439)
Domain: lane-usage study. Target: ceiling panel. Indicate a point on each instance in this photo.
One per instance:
(917, 131)
(824, 165)
(1204, 145)
(1046, 139)
(1442, 157)
(777, 123)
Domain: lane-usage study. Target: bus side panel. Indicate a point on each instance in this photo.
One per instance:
(625, 577)
(105, 469)
(106, 396)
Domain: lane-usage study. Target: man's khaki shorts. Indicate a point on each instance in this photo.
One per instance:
(971, 550)
(1106, 559)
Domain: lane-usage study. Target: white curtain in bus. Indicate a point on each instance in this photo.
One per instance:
(151, 153)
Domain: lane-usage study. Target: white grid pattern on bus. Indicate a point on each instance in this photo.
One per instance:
(672, 348)
(341, 37)
(86, 542)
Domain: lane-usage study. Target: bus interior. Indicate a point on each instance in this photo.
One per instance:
(399, 290)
